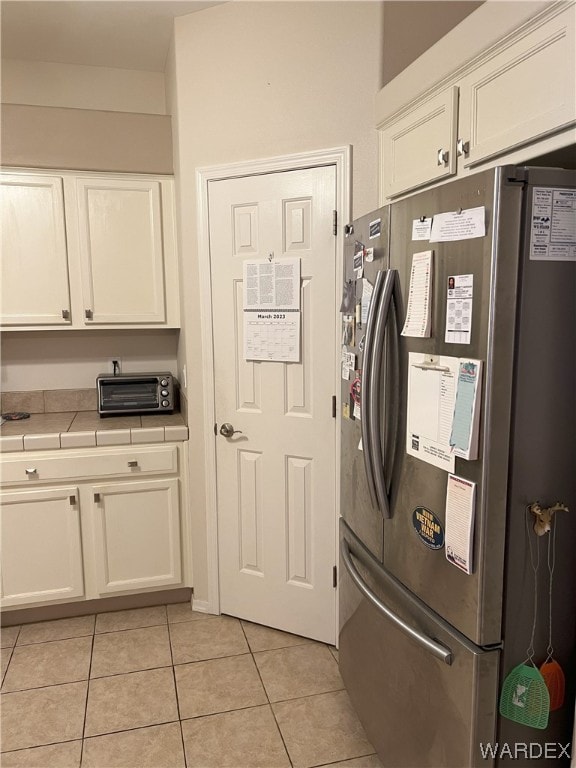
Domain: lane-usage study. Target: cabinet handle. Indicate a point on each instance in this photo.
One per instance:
(89, 314)
(72, 501)
(66, 314)
(443, 156)
(97, 498)
(132, 463)
(31, 471)
(462, 147)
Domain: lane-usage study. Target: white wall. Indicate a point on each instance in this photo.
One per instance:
(49, 84)
(253, 80)
(72, 359)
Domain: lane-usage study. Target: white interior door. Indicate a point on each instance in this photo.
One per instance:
(276, 477)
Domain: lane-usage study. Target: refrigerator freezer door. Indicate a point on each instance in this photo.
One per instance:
(356, 504)
(418, 710)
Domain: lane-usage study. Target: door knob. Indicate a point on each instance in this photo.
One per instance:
(227, 430)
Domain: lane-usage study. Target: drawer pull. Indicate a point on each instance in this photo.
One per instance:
(97, 498)
(132, 463)
(31, 471)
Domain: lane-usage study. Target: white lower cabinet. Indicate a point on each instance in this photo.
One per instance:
(41, 546)
(136, 535)
(117, 527)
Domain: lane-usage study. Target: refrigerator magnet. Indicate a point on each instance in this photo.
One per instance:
(374, 229)
(428, 527)
(358, 261)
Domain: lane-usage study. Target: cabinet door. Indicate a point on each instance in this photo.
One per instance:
(523, 93)
(419, 148)
(41, 546)
(137, 535)
(34, 275)
(121, 251)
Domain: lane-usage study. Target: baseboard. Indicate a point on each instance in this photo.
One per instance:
(102, 605)
(201, 606)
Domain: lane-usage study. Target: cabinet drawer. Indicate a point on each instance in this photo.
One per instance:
(101, 462)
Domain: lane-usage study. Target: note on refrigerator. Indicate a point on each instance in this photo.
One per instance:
(419, 306)
(421, 228)
(460, 503)
(459, 309)
(466, 420)
(459, 225)
(367, 290)
(430, 408)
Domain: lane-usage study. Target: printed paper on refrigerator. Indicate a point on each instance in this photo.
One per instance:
(466, 420)
(459, 309)
(459, 225)
(430, 408)
(460, 503)
(419, 306)
(553, 226)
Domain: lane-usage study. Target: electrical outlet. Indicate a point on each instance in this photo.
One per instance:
(116, 364)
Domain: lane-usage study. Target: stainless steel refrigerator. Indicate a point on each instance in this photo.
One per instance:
(424, 646)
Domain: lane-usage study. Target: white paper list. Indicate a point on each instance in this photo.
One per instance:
(460, 503)
(458, 225)
(431, 398)
(419, 306)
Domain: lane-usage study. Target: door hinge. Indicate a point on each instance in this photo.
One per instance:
(333, 406)
(335, 576)
(334, 222)
(215, 429)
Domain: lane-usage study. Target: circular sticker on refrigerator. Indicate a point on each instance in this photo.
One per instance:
(428, 527)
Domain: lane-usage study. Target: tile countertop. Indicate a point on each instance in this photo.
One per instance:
(85, 429)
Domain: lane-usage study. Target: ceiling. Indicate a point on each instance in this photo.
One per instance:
(128, 34)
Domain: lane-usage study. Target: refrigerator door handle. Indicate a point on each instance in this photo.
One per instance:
(435, 648)
(373, 313)
(375, 420)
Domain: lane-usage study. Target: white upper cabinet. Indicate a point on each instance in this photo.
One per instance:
(121, 251)
(421, 146)
(499, 88)
(88, 250)
(522, 94)
(34, 287)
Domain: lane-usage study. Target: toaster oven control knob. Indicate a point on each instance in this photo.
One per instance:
(164, 393)
(164, 382)
(165, 403)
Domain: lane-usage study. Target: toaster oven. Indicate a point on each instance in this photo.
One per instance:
(134, 393)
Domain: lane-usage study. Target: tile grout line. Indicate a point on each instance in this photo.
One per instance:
(83, 735)
(267, 696)
(176, 690)
(11, 649)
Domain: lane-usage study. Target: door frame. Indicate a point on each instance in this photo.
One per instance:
(340, 157)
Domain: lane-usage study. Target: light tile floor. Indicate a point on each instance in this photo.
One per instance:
(166, 687)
